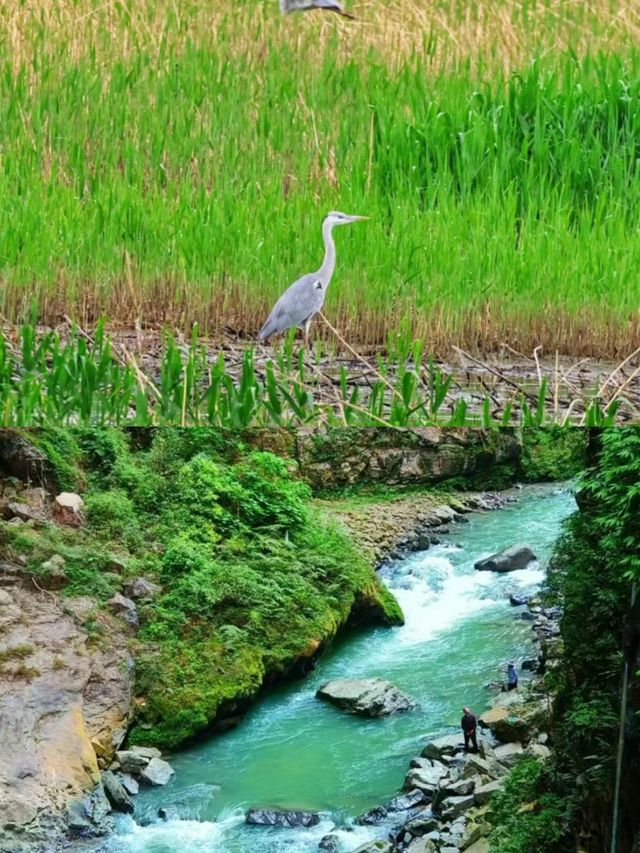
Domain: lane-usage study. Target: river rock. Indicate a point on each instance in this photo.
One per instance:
(375, 847)
(447, 745)
(452, 807)
(157, 772)
(410, 800)
(459, 788)
(424, 778)
(135, 759)
(88, 816)
(372, 817)
(422, 845)
(128, 783)
(67, 509)
(116, 793)
(421, 824)
(509, 754)
(509, 560)
(518, 600)
(538, 751)
(330, 843)
(369, 697)
(480, 846)
(484, 793)
(281, 817)
(478, 766)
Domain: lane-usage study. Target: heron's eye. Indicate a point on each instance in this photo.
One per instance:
(318, 285)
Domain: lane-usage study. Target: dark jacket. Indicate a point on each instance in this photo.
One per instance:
(468, 723)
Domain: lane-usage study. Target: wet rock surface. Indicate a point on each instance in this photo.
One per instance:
(510, 560)
(281, 817)
(368, 697)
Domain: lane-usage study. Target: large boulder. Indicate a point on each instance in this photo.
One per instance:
(509, 754)
(424, 778)
(453, 807)
(369, 697)
(372, 817)
(125, 608)
(442, 746)
(67, 509)
(135, 759)
(509, 560)
(484, 793)
(423, 845)
(480, 846)
(281, 817)
(25, 512)
(157, 772)
(492, 716)
(88, 816)
(422, 824)
(514, 728)
(414, 797)
(116, 793)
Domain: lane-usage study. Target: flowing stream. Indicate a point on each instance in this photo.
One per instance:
(295, 751)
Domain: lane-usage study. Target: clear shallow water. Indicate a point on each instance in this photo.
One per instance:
(294, 751)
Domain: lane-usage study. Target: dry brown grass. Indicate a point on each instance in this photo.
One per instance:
(444, 34)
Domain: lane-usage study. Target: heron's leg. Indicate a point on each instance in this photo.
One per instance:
(307, 326)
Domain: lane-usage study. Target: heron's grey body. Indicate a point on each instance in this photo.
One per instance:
(306, 5)
(299, 304)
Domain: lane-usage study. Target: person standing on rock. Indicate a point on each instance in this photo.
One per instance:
(469, 725)
(512, 677)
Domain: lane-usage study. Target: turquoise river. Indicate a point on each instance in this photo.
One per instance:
(293, 750)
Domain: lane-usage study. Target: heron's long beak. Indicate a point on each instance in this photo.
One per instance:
(358, 218)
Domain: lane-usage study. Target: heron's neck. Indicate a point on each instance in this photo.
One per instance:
(328, 265)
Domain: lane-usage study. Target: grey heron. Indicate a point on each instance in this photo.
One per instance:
(301, 302)
(305, 5)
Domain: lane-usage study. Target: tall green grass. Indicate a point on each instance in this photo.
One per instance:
(188, 184)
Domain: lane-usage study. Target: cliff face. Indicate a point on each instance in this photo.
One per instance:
(64, 703)
(345, 457)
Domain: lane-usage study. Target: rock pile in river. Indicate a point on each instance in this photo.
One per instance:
(281, 817)
(369, 697)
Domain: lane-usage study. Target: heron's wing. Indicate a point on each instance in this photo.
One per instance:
(333, 6)
(305, 5)
(296, 305)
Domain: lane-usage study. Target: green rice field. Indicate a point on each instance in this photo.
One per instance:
(168, 162)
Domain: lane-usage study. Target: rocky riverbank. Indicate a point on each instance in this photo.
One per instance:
(445, 803)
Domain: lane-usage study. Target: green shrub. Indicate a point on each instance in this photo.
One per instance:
(112, 514)
(553, 453)
(527, 817)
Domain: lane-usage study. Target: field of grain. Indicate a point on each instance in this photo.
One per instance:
(172, 162)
